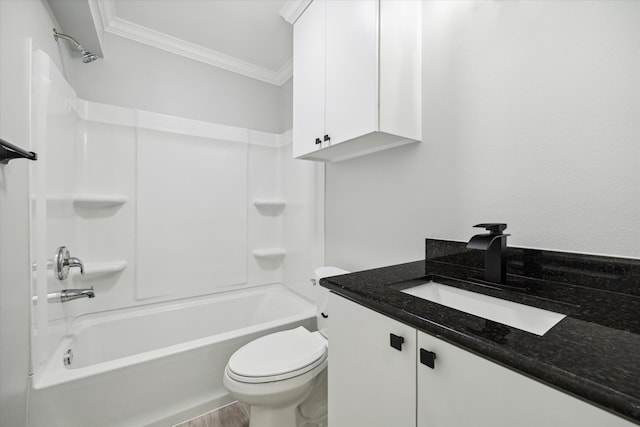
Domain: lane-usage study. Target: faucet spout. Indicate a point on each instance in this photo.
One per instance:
(494, 244)
(71, 294)
(483, 242)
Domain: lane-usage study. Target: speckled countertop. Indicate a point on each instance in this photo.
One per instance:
(593, 353)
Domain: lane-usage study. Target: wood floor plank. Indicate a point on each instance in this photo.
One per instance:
(233, 415)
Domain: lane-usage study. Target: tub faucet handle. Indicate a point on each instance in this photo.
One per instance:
(76, 262)
(63, 261)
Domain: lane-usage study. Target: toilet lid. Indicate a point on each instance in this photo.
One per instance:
(278, 356)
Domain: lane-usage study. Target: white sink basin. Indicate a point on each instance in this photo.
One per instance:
(530, 319)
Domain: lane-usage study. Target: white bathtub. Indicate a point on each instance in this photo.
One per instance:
(158, 364)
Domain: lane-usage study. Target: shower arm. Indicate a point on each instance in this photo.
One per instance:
(86, 55)
(57, 35)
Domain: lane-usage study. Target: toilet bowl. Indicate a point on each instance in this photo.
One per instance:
(283, 376)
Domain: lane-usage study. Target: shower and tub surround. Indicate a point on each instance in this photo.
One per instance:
(590, 354)
(168, 357)
(108, 185)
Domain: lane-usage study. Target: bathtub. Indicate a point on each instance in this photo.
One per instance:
(158, 364)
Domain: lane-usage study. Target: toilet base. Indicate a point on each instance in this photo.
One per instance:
(302, 403)
(262, 416)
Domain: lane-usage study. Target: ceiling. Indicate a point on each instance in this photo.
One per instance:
(248, 37)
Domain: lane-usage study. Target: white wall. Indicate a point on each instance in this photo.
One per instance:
(531, 116)
(286, 103)
(19, 21)
(142, 77)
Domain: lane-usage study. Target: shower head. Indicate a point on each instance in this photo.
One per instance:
(86, 55)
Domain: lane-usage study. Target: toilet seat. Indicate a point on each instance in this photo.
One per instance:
(278, 356)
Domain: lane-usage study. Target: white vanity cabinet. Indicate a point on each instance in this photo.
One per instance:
(370, 383)
(375, 385)
(357, 78)
(467, 390)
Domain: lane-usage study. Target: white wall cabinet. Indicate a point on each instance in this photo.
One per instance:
(372, 384)
(357, 78)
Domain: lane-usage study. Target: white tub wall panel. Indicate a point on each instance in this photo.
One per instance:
(264, 231)
(57, 151)
(110, 232)
(191, 224)
(109, 155)
(105, 164)
(303, 186)
(40, 84)
(61, 130)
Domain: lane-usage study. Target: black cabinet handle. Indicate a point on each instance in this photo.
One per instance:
(428, 358)
(318, 141)
(396, 341)
(324, 316)
(327, 138)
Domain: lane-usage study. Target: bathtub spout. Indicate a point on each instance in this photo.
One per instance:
(71, 294)
(66, 295)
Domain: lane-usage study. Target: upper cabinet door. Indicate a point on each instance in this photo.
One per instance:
(351, 69)
(356, 78)
(309, 80)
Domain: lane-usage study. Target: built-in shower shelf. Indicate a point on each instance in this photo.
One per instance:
(97, 269)
(98, 201)
(91, 201)
(269, 253)
(270, 206)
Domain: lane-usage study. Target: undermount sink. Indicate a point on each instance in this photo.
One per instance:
(530, 319)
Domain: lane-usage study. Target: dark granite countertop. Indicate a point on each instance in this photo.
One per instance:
(593, 353)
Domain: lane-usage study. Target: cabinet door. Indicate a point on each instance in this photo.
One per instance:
(370, 383)
(352, 69)
(467, 390)
(309, 79)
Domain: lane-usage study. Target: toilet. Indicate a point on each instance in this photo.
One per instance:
(283, 376)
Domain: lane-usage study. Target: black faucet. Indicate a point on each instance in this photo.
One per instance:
(495, 245)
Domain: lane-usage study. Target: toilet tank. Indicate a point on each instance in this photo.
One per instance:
(322, 297)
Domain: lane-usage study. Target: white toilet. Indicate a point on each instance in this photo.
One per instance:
(283, 376)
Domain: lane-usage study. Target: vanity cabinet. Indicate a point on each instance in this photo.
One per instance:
(357, 78)
(371, 383)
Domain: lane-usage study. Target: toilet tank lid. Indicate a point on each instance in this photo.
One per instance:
(328, 271)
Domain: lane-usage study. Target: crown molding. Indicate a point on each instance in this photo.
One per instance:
(98, 20)
(120, 27)
(292, 10)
